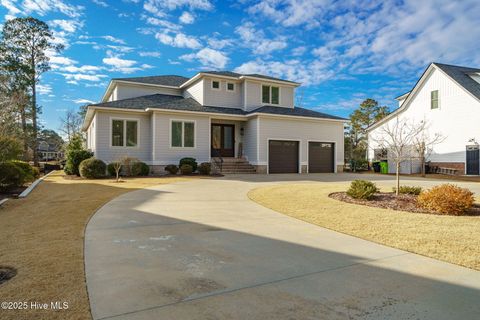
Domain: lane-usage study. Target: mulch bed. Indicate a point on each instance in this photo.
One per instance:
(13, 193)
(402, 202)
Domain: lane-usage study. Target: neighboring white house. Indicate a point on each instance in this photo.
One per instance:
(447, 97)
(217, 114)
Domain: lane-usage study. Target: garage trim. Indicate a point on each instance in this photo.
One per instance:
(285, 139)
(334, 153)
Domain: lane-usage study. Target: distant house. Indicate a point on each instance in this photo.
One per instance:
(448, 98)
(49, 152)
(246, 119)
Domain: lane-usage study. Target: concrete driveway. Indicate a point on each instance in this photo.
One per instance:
(202, 250)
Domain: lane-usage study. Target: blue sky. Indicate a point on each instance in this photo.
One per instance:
(342, 51)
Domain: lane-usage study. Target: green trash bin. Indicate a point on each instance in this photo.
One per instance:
(384, 167)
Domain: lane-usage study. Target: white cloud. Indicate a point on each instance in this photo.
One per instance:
(208, 58)
(118, 62)
(299, 51)
(81, 69)
(186, 18)
(100, 3)
(256, 40)
(83, 101)
(12, 9)
(69, 26)
(44, 89)
(42, 7)
(154, 54)
(158, 7)
(219, 43)
(62, 60)
(113, 39)
(80, 76)
(161, 23)
(179, 40)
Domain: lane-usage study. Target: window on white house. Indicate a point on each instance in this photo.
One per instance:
(270, 95)
(183, 134)
(124, 133)
(434, 99)
(216, 85)
(230, 86)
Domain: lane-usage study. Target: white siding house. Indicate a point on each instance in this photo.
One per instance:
(447, 98)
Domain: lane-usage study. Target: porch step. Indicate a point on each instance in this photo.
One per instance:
(235, 165)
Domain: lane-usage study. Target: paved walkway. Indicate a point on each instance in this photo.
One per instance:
(202, 250)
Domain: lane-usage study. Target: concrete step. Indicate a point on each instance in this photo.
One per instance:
(238, 171)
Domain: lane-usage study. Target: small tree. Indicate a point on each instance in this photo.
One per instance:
(423, 143)
(117, 166)
(398, 137)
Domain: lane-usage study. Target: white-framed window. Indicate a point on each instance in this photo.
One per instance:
(434, 99)
(215, 85)
(182, 134)
(270, 94)
(230, 86)
(124, 133)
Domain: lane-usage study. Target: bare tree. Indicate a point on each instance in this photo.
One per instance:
(117, 166)
(423, 143)
(398, 137)
(71, 124)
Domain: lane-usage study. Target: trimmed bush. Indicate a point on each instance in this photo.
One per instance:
(11, 148)
(190, 161)
(140, 169)
(447, 199)
(205, 168)
(171, 168)
(186, 169)
(92, 168)
(74, 158)
(31, 173)
(408, 190)
(11, 176)
(362, 189)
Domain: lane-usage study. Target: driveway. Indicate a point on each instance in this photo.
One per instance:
(202, 250)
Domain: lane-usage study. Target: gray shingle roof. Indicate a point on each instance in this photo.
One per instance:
(168, 102)
(461, 76)
(167, 80)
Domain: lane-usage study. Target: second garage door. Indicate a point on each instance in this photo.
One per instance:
(320, 157)
(282, 156)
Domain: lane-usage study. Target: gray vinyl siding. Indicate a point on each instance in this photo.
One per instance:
(163, 153)
(222, 97)
(195, 91)
(250, 140)
(254, 95)
(91, 134)
(103, 148)
(125, 91)
(303, 131)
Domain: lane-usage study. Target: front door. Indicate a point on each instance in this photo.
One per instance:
(223, 140)
(473, 164)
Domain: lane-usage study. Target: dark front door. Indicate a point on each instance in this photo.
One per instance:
(282, 156)
(473, 164)
(320, 157)
(223, 140)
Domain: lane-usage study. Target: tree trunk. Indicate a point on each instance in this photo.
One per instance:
(23, 119)
(34, 124)
(423, 165)
(397, 189)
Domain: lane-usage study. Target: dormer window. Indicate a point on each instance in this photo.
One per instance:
(230, 86)
(215, 85)
(270, 95)
(434, 99)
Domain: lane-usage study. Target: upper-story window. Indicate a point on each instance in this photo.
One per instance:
(434, 100)
(216, 85)
(270, 94)
(230, 86)
(124, 133)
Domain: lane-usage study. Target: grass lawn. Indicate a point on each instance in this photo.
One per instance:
(448, 238)
(42, 237)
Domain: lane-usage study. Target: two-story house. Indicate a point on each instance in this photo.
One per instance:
(447, 99)
(247, 118)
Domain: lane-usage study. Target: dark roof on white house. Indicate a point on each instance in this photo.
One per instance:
(169, 102)
(167, 80)
(461, 75)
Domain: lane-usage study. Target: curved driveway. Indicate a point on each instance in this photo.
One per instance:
(202, 250)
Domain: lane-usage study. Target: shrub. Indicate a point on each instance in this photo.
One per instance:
(31, 173)
(11, 148)
(74, 158)
(92, 168)
(11, 176)
(186, 169)
(171, 168)
(447, 199)
(361, 189)
(205, 168)
(140, 168)
(408, 190)
(190, 161)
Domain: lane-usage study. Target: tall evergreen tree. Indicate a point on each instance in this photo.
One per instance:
(24, 44)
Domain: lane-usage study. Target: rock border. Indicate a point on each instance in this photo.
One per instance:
(30, 188)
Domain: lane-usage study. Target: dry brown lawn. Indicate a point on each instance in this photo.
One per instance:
(42, 237)
(448, 238)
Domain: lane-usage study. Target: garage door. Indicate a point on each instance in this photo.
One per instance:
(282, 156)
(320, 157)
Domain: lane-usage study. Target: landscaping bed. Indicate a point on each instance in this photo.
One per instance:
(388, 200)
